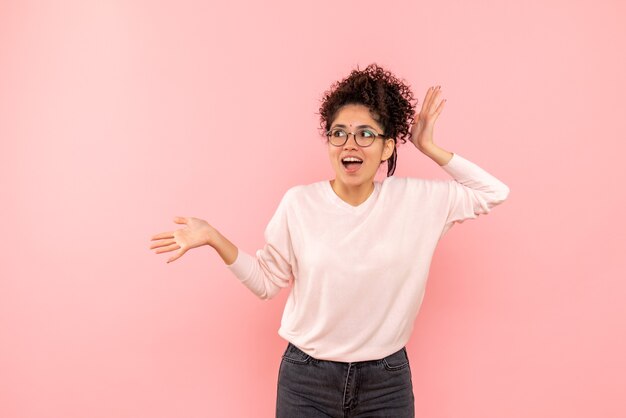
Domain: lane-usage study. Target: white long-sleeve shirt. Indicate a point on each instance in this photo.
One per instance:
(359, 272)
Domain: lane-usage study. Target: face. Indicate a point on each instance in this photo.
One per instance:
(353, 117)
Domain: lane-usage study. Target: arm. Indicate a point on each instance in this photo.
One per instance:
(263, 280)
(270, 269)
(473, 191)
(437, 154)
(485, 191)
(226, 249)
(264, 275)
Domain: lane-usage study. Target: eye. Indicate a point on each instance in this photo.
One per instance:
(338, 133)
(366, 134)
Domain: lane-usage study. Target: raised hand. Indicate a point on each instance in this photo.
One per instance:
(424, 123)
(195, 234)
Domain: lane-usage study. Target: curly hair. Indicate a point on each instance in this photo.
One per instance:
(388, 98)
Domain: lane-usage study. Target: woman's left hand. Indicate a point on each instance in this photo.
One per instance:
(423, 126)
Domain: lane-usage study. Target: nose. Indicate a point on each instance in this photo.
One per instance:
(354, 144)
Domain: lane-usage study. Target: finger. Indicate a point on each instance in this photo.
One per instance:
(433, 99)
(168, 249)
(417, 116)
(428, 103)
(163, 235)
(176, 257)
(180, 220)
(440, 107)
(427, 99)
(161, 244)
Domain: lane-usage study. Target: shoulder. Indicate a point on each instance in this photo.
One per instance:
(302, 192)
(404, 185)
(396, 183)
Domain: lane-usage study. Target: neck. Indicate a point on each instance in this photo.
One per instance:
(353, 195)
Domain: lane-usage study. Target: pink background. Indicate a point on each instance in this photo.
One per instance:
(116, 116)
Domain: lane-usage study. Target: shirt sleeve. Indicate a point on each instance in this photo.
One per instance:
(472, 192)
(270, 269)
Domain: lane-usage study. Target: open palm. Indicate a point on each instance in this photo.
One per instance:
(424, 124)
(195, 234)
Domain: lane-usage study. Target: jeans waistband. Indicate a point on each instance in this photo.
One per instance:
(295, 353)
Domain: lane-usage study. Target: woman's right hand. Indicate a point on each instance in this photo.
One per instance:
(195, 234)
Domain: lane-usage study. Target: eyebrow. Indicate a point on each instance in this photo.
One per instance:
(360, 126)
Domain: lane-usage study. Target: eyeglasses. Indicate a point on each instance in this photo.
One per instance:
(363, 137)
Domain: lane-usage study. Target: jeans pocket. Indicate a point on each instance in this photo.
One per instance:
(397, 361)
(294, 355)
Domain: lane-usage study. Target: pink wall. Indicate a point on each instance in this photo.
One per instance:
(116, 116)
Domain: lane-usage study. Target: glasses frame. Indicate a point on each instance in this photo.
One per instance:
(376, 135)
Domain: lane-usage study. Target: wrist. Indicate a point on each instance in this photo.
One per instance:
(212, 237)
(437, 154)
(428, 149)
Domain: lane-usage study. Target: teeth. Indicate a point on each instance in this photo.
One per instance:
(352, 159)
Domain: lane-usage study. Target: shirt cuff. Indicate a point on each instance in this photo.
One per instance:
(243, 265)
(457, 166)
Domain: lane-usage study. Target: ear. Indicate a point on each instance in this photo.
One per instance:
(389, 146)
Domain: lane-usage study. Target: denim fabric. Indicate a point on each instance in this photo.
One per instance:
(308, 387)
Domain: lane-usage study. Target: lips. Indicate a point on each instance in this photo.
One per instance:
(351, 163)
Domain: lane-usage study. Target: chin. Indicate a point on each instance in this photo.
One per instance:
(354, 179)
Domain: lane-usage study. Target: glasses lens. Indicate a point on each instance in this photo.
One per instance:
(364, 137)
(337, 137)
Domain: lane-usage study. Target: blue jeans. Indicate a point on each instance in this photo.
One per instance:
(308, 387)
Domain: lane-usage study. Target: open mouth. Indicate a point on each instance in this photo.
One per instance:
(351, 164)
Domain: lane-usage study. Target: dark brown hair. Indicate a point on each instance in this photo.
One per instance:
(388, 98)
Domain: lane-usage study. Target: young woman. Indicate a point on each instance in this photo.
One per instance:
(356, 251)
